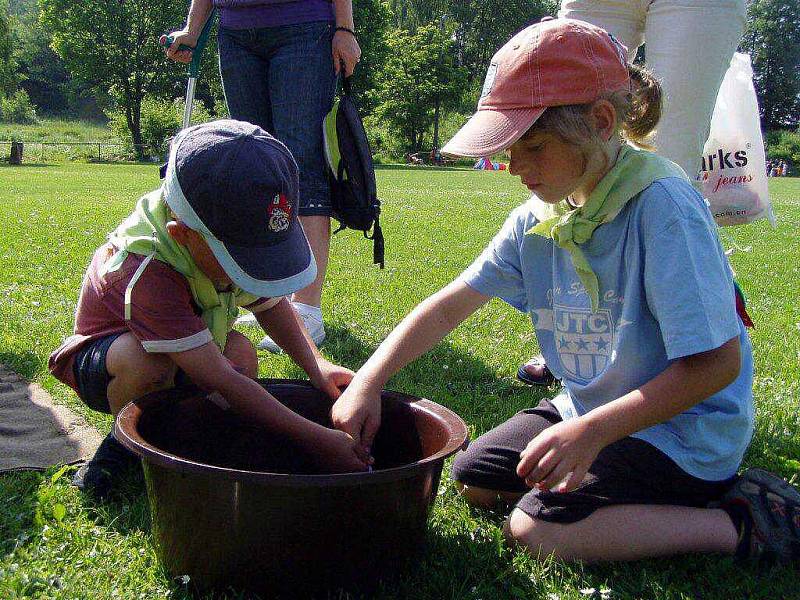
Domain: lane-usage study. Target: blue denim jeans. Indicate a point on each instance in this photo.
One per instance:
(282, 79)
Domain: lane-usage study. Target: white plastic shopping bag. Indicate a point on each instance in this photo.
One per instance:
(733, 171)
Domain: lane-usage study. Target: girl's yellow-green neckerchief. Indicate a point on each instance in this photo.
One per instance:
(631, 174)
(144, 232)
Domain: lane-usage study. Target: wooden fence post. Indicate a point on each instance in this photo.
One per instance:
(16, 153)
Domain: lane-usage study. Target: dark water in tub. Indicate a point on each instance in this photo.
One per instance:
(198, 430)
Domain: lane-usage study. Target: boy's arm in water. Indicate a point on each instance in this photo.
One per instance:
(210, 370)
(565, 451)
(281, 323)
(357, 411)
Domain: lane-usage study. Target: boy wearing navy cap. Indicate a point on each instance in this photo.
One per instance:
(159, 299)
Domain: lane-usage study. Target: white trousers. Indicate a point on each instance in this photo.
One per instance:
(689, 45)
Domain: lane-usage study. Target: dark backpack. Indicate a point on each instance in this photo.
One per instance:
(354, 195)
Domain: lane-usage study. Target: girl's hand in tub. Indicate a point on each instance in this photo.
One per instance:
(357, 412)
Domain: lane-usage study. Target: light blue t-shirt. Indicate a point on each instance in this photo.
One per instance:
(666, 291)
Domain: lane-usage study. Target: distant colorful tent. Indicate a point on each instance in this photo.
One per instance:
(484, 164)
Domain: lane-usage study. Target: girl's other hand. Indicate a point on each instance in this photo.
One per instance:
(561, 453)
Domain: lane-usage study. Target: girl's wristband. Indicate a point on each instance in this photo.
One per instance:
(346, 30)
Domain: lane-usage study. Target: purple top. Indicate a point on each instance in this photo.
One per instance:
(253, 14)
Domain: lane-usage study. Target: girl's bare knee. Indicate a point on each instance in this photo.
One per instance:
(480, 497)
(538, 537)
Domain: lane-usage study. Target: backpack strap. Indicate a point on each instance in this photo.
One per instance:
(377, 243)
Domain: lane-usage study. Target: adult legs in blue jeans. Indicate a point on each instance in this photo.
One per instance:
(303, 81)
(282, 79)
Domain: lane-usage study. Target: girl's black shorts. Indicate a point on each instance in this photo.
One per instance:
(629, 471)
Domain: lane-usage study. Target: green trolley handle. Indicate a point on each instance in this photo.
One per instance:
(194, 66)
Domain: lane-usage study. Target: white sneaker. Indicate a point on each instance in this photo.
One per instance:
(312, 319)
(247, 318)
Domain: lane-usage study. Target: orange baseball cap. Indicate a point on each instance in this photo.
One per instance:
(555, 62)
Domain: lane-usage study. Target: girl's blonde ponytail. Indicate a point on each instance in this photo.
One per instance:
(644, 108)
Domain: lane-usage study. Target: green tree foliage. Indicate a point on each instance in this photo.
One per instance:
(44, 76)
(17, 108)
(160, 120)
(480, 26)
(15, 105)
(485, 25)
(784, 145)
(372, 19)
(8, 67)
(419, 73)
(410, 14)
(113, 46)
(772, 40)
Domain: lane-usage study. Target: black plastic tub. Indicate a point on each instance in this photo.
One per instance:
(226, 513)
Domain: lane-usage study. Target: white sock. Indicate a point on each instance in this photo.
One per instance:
(308, 310)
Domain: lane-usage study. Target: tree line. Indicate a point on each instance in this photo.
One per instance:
(423, 62)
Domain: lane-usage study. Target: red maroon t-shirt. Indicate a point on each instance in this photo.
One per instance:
(164, 316)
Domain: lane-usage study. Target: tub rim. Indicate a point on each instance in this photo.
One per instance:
(126, 433)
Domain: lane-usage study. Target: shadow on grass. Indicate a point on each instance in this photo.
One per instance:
(420, 168)
(707, 576)
(26, 363)
(19, 495)
(127, 509)
(26, 165)
(103, 163)
(484, 562)
(448, 376)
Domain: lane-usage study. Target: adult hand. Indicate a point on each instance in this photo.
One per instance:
(330, 377)
(358, 413)
(345, 50)
(339, 453)
(179, 37)
(563, 452)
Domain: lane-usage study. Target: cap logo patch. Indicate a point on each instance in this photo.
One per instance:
(280, 213)
(488, 83)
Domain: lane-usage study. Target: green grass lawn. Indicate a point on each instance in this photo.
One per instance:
(57, 130)
(58, 140)
(55, 543)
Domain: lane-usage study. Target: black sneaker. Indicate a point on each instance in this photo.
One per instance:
(536, 372)
(108, 465)
(773, 506)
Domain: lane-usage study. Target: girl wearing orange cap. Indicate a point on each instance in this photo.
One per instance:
(633, 304)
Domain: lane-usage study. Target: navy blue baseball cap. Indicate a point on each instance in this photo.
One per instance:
(237, 186)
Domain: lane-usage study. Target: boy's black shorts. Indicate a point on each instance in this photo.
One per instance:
(91, 375)
(629, 471)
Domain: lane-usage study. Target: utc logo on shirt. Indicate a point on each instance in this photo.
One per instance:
(583, 340)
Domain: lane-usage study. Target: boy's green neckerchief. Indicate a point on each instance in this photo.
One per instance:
(631, 174)
(144, 232)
